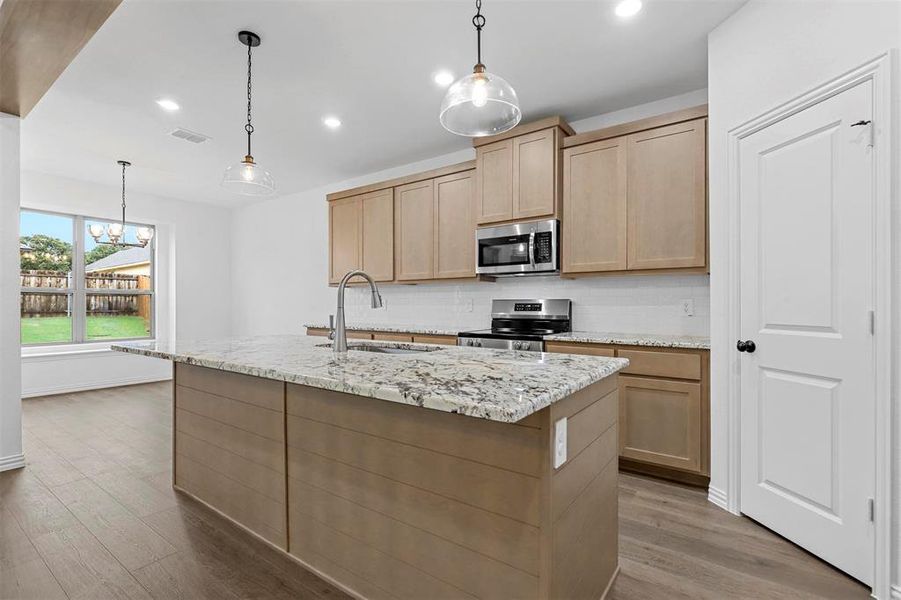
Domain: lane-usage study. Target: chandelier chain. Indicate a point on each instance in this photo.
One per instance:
(249, 127)
(478, 21)
(123, 195)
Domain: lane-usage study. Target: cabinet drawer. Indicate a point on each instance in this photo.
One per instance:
(392, 337)
(358, 335)
(591, 349)
(446, 340)
(662, 364)
(317, 331)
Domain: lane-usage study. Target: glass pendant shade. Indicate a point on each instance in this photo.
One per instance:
(248, 178)
(96, 230)
(114, 231)
(480, 104)
(144, 234)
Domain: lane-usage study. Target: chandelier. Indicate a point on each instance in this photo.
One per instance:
(115, 232)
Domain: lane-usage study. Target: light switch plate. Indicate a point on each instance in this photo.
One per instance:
(559, 443)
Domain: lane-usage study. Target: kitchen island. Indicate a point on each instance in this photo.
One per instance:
(406, 471)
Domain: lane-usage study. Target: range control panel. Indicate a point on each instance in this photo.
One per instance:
(527, 307)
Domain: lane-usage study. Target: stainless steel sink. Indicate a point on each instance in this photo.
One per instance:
(386, 348)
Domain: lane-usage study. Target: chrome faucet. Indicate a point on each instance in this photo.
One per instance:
(338, 333)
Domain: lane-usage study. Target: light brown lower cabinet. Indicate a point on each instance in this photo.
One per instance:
(445, 340)
(660, 422)
(664, 416)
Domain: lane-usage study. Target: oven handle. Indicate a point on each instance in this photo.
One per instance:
(532, 248)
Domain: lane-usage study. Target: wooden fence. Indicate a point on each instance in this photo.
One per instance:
(51, 304)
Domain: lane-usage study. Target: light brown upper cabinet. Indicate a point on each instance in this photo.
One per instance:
(667, 196)
(361, 235)
(455, 225)
(594, 207)
(635, 196)
(378, 234)
(518, 173)
(344, 227)
(414, 210)
(418, 227)
(434, 228)
(494, 182)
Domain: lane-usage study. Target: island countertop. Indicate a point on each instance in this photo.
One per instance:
(499, 385)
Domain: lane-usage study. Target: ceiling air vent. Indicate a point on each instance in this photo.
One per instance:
(190, 136)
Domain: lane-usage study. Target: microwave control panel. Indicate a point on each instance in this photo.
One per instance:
(543, 252)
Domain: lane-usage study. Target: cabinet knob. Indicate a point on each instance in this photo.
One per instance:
(746, 346)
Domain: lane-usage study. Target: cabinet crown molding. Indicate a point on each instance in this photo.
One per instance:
(679, 116)
(525, 128)
(398, 181)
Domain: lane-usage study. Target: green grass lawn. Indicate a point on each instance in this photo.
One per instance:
(48, 330)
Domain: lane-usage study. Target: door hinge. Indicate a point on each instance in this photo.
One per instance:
(873, 322)
(871, 509)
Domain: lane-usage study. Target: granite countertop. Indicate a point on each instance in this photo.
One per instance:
(633, 339)
(499, 385)
(395, 329)
(585, 337)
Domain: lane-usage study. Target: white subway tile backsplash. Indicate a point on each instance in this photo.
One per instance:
(629, 304)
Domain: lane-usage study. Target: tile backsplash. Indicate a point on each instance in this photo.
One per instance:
(628, 304)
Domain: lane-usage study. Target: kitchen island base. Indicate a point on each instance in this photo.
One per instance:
(389, 500)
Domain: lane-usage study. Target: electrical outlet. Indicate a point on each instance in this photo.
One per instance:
(688, 307)
(559, 443)
(467, 305)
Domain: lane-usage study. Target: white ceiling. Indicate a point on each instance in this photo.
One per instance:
(368, 62)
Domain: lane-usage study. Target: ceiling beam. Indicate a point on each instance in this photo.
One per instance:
(38, 40)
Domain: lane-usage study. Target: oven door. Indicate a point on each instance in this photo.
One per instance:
(518, 249)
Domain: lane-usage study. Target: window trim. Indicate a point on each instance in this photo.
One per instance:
(79, 292)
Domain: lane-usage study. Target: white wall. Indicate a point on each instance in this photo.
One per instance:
(10, 376)
(281, 284)
(764, 55)
(193, 283)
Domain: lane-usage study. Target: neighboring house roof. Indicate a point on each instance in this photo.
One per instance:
(129, 256)
(24, 247)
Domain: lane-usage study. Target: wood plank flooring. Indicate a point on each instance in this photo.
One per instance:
(93, 516)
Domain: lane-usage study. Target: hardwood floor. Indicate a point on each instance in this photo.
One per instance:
(93, 516)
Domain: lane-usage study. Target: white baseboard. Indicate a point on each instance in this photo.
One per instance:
(718, 497)
(95, 385)
(16, 461)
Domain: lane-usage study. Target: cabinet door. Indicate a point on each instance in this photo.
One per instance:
(378, 234)
(536, 176)
(594, 207)
(414, 222)
(455, 226)
(344, 228)
(667, 197)
(660, 422)
(494, 182)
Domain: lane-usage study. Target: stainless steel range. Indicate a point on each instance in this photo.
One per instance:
(521, 324)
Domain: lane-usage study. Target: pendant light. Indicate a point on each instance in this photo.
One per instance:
(481, 103)
(115, 232)
(247, 177)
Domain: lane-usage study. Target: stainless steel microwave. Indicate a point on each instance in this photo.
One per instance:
(518, 249)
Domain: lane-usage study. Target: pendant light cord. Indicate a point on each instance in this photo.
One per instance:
(248, 128)
(478, 21)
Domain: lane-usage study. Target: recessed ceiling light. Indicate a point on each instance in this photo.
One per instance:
(167, 104)
(444, 78)
(331, 122)
(628, 8)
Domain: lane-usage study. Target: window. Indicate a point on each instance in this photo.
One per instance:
(77, 290)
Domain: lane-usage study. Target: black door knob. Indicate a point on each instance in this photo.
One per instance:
(746, 346)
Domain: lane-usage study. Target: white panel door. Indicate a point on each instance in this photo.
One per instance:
(807, 391)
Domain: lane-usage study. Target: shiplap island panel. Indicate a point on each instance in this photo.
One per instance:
(430, 474)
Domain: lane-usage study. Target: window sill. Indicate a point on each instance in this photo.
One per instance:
(70, 350)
